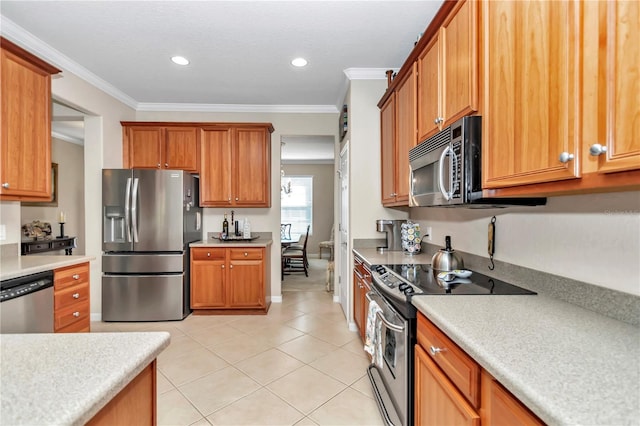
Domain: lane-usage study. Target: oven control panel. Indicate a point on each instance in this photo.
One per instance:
(393, 283)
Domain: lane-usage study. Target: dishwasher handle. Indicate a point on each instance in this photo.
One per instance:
(22, 286)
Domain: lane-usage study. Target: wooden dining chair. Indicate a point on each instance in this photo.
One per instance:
(285, 231)
(294, 258)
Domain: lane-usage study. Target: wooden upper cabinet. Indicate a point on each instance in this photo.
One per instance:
(614, 144)
(448, 71)
(25, 144)
(387, 147)
(531, 92)
(154, 146)
(236, 166)
(405, 133)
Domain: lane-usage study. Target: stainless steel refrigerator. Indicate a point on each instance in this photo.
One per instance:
(149, 219)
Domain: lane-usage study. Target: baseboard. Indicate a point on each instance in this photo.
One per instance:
(276, 299)
(336, 298)
(96, 316)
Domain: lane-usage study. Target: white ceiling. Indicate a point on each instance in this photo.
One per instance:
(239, 50)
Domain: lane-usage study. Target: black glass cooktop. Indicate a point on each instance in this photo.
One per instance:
(425, 282)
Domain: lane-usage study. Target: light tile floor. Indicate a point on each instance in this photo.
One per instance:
(298, 365)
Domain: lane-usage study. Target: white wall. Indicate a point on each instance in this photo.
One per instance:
(285, 124)
(10, 218)
(592, 238)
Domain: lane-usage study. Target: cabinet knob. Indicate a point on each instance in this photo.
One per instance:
(434, 350)
(158, 165)
(597, 149)
(76, 295)
(230, 266)
(246, 254)
(237, 198)
(76, 277)
(393, 194)
(166, 164)
(438, 120)
(229, 199)
(5, 185)
(76, 314)
(565, 157)
(222, 266)
(208, 254)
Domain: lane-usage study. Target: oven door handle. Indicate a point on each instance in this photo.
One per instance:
(393, 327)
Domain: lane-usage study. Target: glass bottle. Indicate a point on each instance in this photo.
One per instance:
(225, 227)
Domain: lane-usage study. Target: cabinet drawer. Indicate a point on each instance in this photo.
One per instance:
(461, 369)
(69, 296)
(72, 314)
(205, 253)
(82, 326)
(245, 253)
(72, 275)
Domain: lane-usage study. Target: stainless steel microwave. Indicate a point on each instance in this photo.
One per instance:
(446, 170)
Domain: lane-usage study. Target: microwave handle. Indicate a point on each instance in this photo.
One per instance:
(447, 195)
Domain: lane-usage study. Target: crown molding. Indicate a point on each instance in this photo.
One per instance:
(368, 73)
(67, 138)
(28, 41)
(172, 107)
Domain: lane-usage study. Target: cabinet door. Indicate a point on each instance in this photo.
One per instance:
(181, 149)
(25, 171)
(531, 58)
(437, 401)
(215, 170)
(252, 168)
(618, 95)
(246, 284)
(429, 89)
(358, 307)
(406, 134)
(500, 408)
(387, 148)
(459, 76)
(208, 272)
(145, 145)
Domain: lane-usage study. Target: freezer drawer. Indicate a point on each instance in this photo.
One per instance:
(144, 297)
(134, 263)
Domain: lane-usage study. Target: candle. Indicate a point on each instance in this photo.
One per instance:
(61, 219)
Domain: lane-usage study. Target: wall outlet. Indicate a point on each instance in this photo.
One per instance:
(427, 233)
(3, 232)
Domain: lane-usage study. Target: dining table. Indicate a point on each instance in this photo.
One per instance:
(287, 240)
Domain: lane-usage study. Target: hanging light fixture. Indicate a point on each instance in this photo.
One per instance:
(285, 187)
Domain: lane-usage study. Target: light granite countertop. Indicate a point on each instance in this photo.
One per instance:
(18, 266)
(373, 257)
(567, 364)
(65, 379)
(264, 239)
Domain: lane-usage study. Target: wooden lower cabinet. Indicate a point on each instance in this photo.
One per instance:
(361, 286)
(437, 400)
(134, 405)
(452, 389)
(227, 279)
(71, 299)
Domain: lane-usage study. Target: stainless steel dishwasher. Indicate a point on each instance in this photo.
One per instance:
(27, 304)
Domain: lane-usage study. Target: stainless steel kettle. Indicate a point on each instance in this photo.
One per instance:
(446, 259)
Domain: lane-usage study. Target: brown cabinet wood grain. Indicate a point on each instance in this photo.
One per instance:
(361, 286)
(500, 408)
(387, 148)
(224, 279)
(160, 146)
(236, 165)
(71, 301)
(448, 71)
(134, 405)
(25, 144)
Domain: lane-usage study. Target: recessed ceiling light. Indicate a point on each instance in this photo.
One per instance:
(180, 60)
(299, 62)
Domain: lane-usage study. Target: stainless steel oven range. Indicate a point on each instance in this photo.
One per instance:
(393, 288)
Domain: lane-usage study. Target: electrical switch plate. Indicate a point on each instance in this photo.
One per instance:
(427, 233)
(3, 232)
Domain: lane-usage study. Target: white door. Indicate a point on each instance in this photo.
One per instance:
(344, 271)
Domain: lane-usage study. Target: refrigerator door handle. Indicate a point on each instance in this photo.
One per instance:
(134, 210)
(127, 209)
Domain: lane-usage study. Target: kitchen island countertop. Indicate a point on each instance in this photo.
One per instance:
(18, 266)
(65, 379)
(567, 364)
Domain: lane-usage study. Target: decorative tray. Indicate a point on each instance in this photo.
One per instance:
(237, 238)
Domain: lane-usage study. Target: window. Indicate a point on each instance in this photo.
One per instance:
(297, 204)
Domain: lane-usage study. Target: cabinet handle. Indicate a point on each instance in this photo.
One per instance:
(393, 194)
(76, 314)
(158, 165)
(222, 266)
(76, 295)
(208, 254)
(237, 198)
(76, 277)
(5, 185)
(597, 149)
(434, 351)
(229, 199)
(565, 157)
(246, 254)
(166, 164)
(230, 266)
